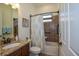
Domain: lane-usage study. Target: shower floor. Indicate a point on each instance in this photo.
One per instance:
(51, 49)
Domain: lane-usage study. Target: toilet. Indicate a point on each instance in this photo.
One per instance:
(35, 51)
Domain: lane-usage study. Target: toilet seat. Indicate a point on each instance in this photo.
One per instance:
(35, 50)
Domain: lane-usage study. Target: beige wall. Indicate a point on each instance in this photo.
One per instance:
(24, 11)
(46, 7)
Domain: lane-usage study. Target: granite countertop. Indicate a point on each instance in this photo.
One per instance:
(5, 52)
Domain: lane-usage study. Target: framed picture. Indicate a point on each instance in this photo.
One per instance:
(25, 22)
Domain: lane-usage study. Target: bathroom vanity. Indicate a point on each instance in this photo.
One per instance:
(22, 49)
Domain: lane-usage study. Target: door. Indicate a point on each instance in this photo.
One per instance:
(68, 22)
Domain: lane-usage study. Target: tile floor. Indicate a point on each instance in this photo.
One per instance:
(51, 49)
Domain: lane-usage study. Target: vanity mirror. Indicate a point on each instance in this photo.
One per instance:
(8, 15)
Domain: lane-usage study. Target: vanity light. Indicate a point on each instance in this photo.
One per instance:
(47, 16)
(49, 20)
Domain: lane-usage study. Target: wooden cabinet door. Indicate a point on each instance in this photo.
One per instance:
(16, 53)
(25, 50)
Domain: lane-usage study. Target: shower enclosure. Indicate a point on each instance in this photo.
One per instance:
(45, 30)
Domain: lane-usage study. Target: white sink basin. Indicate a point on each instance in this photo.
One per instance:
(11, 45)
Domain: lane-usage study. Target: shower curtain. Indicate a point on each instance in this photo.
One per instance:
(37, 31)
